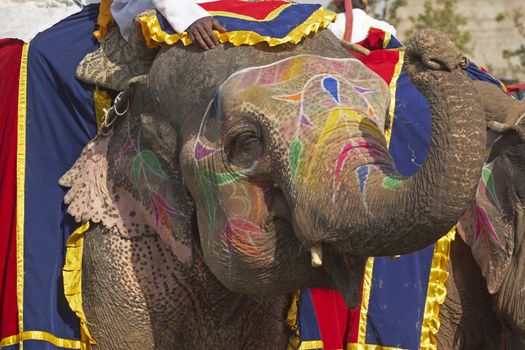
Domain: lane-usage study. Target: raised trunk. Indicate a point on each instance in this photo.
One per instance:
(401, 215)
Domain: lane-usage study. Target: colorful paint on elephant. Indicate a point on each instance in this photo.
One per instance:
(486, 230)
(311, 104)
(151, 183)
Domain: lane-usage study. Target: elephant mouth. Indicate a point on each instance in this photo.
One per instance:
(346, 273)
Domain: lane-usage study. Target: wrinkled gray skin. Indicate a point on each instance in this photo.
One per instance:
(140, 294)
(471, 317)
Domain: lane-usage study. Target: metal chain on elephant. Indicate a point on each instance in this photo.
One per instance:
(109, 118)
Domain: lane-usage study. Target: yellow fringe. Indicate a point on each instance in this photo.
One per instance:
(291, 319)
(311, 345)
(154, 34)
(354, 346)
(20, 186)
(39, 335)
(437, 292)
(102, 102)
(393, 87)
(365, 300)
(72, 273)
(104, 20)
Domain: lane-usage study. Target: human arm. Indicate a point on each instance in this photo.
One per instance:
(187, 16)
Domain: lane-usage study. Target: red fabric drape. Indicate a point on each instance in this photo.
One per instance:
(382, 62)
(332, 317)
(10, 54)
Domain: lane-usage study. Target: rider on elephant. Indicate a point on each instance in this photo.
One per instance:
(361, 22)
(188, 16)
(182, 15)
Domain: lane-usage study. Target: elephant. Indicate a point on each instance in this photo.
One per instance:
(225, 180)
(485, 305)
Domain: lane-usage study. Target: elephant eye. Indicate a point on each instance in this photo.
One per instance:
(244, 149)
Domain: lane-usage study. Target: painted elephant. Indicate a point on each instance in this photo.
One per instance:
(485, 291)
(226, 173)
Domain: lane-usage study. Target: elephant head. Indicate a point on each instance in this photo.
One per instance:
(250, 157)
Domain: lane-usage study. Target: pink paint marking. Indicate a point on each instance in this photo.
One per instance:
(484, 226)
(202, 151)
(371, 149)
(343, 156)
(245, 226)
(306, 121)
(237, 226)
(126, 147)
(341, 162)
(161, 208)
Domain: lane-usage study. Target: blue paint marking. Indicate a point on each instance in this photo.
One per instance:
(331, 85)
(362, 175)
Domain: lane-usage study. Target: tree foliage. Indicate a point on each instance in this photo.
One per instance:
(517, 54)
(443, 15)
(391, 12)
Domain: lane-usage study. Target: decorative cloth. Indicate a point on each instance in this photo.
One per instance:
(47, 117)
(273, 22)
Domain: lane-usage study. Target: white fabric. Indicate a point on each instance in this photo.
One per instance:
(23, 19)
(361, 25)
(180, 14)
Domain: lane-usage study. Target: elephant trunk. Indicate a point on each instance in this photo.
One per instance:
(388, 214)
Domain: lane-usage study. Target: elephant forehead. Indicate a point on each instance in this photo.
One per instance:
(311, 84)
(299, 68)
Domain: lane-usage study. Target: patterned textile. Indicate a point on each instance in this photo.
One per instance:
(47, 117)
(273, 22)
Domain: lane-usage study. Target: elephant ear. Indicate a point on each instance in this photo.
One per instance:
(120, 180)
(494, 226)
(505, 118)
(116, 61)
(491, 226)
(487, 227)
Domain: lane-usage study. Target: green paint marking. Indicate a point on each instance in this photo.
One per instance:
(488, 179)
(136, 168)
(294, 153)
(208, 181)
(221, 179)
(392, 182)
(208, 196)
(151, 160)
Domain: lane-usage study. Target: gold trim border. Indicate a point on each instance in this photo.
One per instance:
(355, 346)
(72, 276)
(154, 35)
(365, 300)
(20, 187)
(40, 335)
(311, 345)
(393, 90)
(436, 292)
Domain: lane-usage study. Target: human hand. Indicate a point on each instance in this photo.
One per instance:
(201, 31)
